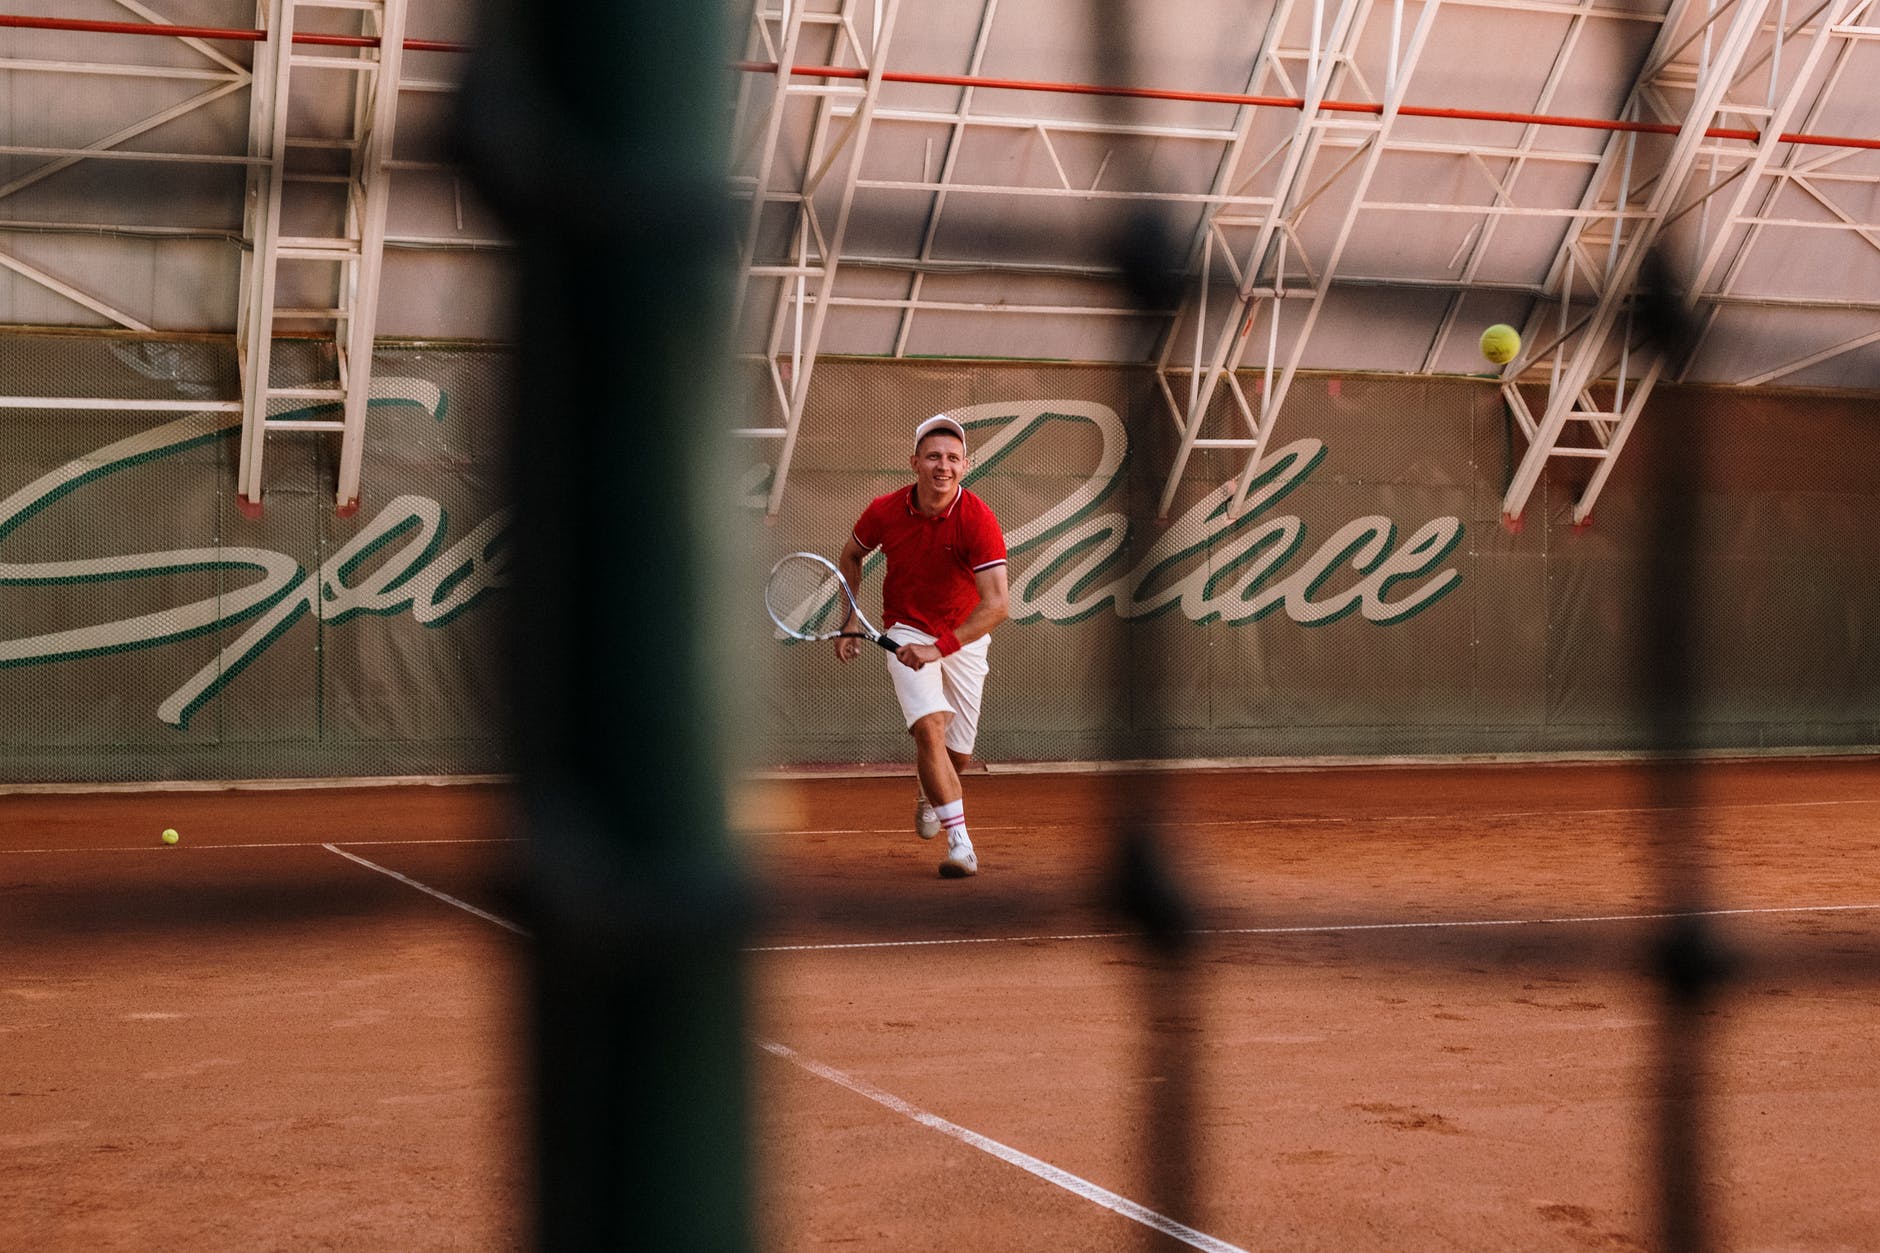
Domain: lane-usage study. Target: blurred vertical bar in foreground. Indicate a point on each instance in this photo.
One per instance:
(1148, 892)
(1690, 965)
(596, 128)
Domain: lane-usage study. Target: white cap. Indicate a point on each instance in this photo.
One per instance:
(938, 422)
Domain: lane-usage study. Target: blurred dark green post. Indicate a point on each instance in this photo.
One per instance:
(597, 129)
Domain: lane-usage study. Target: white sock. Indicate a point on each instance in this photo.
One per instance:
(952, 817)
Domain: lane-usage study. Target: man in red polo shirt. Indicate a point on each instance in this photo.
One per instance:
(943, 593)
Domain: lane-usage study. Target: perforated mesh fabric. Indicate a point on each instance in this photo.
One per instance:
(154, 630)
(1369, 603)
(1372, 604)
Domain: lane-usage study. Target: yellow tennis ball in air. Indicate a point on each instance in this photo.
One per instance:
(1500, 343)
(170, 836)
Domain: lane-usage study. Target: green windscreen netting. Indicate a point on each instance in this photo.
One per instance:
(1367, 603)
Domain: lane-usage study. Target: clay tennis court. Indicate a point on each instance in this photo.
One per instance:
(1439, 436)
(1415, 1010)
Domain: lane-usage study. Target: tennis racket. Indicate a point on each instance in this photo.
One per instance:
(809, 599)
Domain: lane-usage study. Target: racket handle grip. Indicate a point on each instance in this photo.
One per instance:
(887, 643)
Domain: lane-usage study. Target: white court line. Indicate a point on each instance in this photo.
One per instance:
(1075, 1184)
(1044, 1170)
(347, 782)
(172, 849)
(1320, 929)
(428, 890)
(1346, 820)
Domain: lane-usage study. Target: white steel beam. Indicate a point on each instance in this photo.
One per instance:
(1582, 349)
(1612, 164)
(1812, 359)
(1672, 196)
(1745, 179)
(1301, 184)
(354, 250)
(376, 116)
(201, 46)
(792, 19)
(123, 70)
(1505, 189)
(955, 137)
(1327, 60)
(101, 147)
(803, 301)
(111, 404)
(71, 293)
(267, 139)
(853, 142)
(1785, 175)
(1401, 69)
(1193, 134)
(1226, 171)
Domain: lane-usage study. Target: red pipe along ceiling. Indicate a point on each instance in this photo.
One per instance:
(214, 32)
(1295, 102)
(993, 84)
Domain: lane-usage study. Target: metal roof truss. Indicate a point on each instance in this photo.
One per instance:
(1309, 168)
(804, 282)
(1694, 200)
(335, 206)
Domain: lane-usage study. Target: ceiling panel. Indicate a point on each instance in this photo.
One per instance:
(979, 217)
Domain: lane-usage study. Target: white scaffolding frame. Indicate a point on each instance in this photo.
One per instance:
(800, 310)
(354, 251)
(223, 77)
(1807, 176)
(1274, 204)
(1262, 286)
(351, 248)
(1325, 167)
(1588, 341)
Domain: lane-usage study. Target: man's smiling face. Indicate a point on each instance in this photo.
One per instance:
(939, 463)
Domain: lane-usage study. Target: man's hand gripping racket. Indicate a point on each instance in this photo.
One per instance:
(809, 599)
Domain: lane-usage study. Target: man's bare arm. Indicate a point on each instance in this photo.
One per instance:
(992, 609)
(850, 564)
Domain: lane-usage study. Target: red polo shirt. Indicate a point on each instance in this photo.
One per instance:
(932, 562)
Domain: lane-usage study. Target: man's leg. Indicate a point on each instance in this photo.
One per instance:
(926, 821)
(927, 698)
(940, 779)
(934, 761)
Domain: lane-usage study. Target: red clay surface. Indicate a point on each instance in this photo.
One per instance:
(245, 1041)
(1416, 1015)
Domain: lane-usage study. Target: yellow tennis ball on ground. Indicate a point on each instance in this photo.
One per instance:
(1500, 343)
(170, 836)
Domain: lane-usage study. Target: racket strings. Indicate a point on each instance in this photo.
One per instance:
(804, 597)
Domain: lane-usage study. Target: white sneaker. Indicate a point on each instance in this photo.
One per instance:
(926, 821)
(961, 860)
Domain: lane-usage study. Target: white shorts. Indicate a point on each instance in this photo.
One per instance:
(953, 685)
